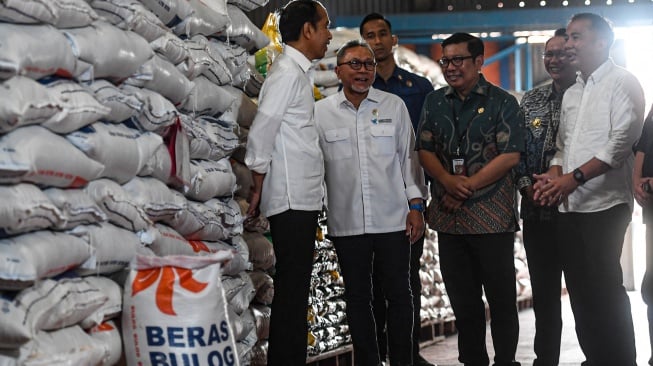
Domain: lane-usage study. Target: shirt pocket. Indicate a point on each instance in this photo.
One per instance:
(338, 144)
(382, 141)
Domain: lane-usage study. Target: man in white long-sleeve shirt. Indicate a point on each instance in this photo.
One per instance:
(375, 190)
(590, 178)
(288, 171)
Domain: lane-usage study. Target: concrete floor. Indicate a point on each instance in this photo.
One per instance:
(445, 353)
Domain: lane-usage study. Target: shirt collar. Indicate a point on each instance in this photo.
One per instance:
(481, 88)
(598, 74)
(304, 63)
(374, 95)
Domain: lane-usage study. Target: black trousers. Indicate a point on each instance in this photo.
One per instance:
(545, 268)
(379, 304)
(592, 245)
(469, 265)
(388, 255)
(293, 236)
(647, 282)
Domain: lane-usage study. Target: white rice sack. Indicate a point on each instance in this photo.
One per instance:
(199, 222)
(60, 13)
(159, 166)
(210, 138)
(243, 250)
(157, 112)
(249, 324)
(239, 291)
(326, 78)
(248, 5)
(111, 308)
(234, 55)
(51, 304)
(36, 51)
(175, 309)
(207, 98)
(26, 208)
(252, 86)
(243, 32)
(209, 17)
(202, 61)
(131, 15)
(113, 52)
(261, 251)
(34, 154)
(24, 101)
(122, 106)
(108, 335)
(122, 150)
(13, 332)
(164, 78)
(235, 323)
(170, 242)
(211, 179)
(30, 257)
(171, 12)
(81, 106)
(159, 202)
(118, 205)
(76, 206)
(242, 111)
(229, 212)
(112, 248)
(171, 47)
(262, 314)
(264, 287)
(68, 346)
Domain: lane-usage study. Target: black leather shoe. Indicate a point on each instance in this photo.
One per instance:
(420, 361)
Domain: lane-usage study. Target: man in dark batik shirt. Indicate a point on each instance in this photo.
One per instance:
(541, 108)
(470, 138)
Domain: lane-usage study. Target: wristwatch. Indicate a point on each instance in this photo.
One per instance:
(579, 176)
(417, 206)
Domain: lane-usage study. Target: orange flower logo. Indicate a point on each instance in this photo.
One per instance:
(199, 246)
(164, 291)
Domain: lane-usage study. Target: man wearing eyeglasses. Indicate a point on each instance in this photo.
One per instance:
(541, 108)
(376, 30)
(375, 190)
(470, 138)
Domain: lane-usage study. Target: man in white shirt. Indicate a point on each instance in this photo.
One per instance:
(375, 189)
(288, 172)
(590, 178)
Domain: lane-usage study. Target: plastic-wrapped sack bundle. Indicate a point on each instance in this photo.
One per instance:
(159, 202)
(122, 106)
(228, 211)
(112, 248)
(170, 242)
(202, 61)
(13, 333)
(157, 112)
(211, 179)
(36, 51)
(248, 5)
(161, 76)
(171, 47)
(159, 166)
(111, 308)
(34, 154)
(118, 205)
(264, 287)
(24, 101)
(108, 335)
(239, 291)
(131, 15)
(262, 314)
(60, 13)
(81, 106)
(198, 221)
(26, 208)
(175, 311)
(261, 252)
(122, 150)
(113, 52)
(209, 17)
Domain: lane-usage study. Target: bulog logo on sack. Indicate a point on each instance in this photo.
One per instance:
(164, 292)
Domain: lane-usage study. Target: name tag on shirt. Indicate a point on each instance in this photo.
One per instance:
(385, 120)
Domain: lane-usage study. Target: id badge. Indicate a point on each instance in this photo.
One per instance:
(458, 166)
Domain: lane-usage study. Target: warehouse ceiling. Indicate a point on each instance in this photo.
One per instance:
(421, 21)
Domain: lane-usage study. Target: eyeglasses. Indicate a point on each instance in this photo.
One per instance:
(551, 54)
(456, 60)
(357, 64)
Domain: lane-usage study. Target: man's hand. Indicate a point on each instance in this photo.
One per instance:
(553, 191)
(254, 200)
(450, 203)
(641, 196)
(414, 225)
(458, 186)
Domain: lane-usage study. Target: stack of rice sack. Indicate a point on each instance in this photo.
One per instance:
(327, 320)
(115, 136)
(435, 302)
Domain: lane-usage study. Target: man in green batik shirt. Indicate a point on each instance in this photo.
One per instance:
(470, 138)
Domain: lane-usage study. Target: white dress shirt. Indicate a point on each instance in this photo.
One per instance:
(283, 143)
(372, 170)
(601, 118)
